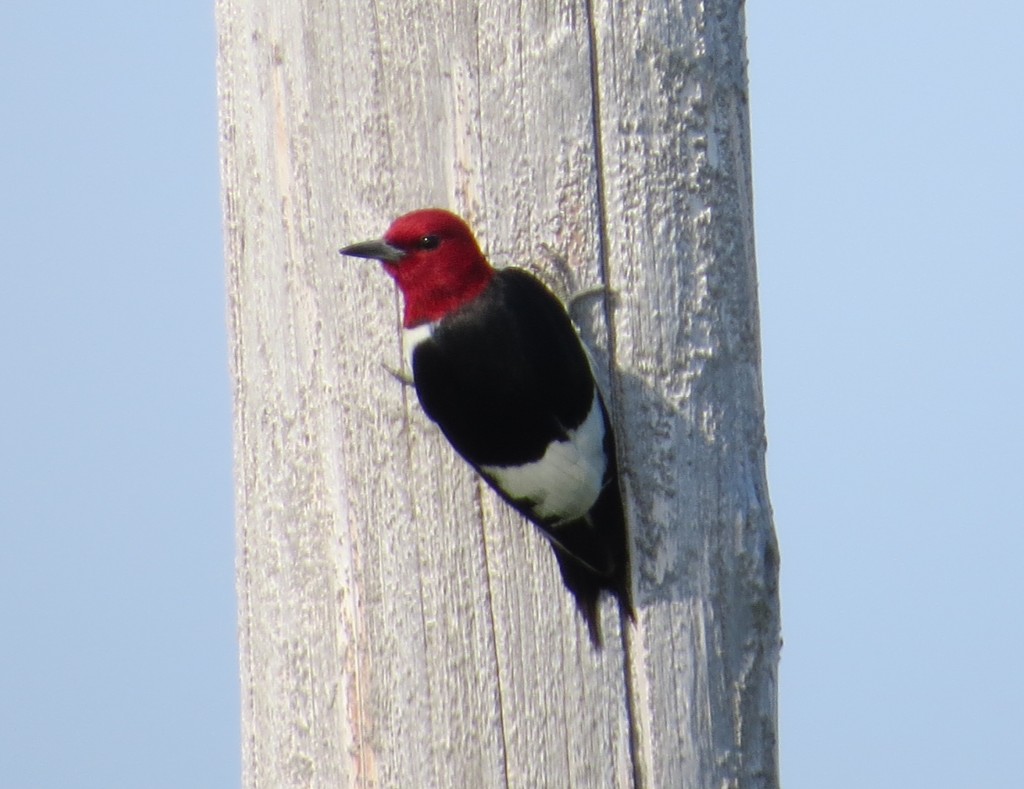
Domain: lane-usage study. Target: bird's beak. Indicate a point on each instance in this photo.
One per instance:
(375, 250)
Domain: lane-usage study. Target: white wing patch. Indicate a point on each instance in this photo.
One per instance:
(565, 483)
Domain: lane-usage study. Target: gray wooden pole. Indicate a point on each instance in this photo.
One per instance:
(399, 626)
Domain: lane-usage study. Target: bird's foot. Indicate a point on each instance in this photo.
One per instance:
(577, 299)
(560, 264)
(398, 375)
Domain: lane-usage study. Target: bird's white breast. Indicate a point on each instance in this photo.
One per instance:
(565, 482)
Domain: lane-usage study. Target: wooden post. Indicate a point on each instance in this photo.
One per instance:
(399, 626)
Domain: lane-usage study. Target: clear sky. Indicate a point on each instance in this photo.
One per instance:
(888, 167)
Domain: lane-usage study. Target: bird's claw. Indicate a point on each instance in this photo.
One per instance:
(398, 375)
(576, 299)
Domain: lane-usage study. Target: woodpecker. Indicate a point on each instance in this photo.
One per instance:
(499, 367)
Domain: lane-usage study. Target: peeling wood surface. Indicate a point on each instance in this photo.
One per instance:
(399, 625)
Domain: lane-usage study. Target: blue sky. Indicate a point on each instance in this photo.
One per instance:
(889, 211)
(887, 157)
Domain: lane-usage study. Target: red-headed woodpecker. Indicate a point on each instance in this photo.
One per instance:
(499, 367)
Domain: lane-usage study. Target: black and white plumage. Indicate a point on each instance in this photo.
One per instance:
(499, 367)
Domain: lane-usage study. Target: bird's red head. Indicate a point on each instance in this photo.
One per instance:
(435, 261)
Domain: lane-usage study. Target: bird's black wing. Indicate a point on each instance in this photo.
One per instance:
(505, 374)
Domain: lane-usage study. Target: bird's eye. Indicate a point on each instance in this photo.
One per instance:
(428, 242)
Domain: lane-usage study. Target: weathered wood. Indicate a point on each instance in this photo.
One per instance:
(399, 626)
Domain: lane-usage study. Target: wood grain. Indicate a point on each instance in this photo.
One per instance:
(399, 625)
